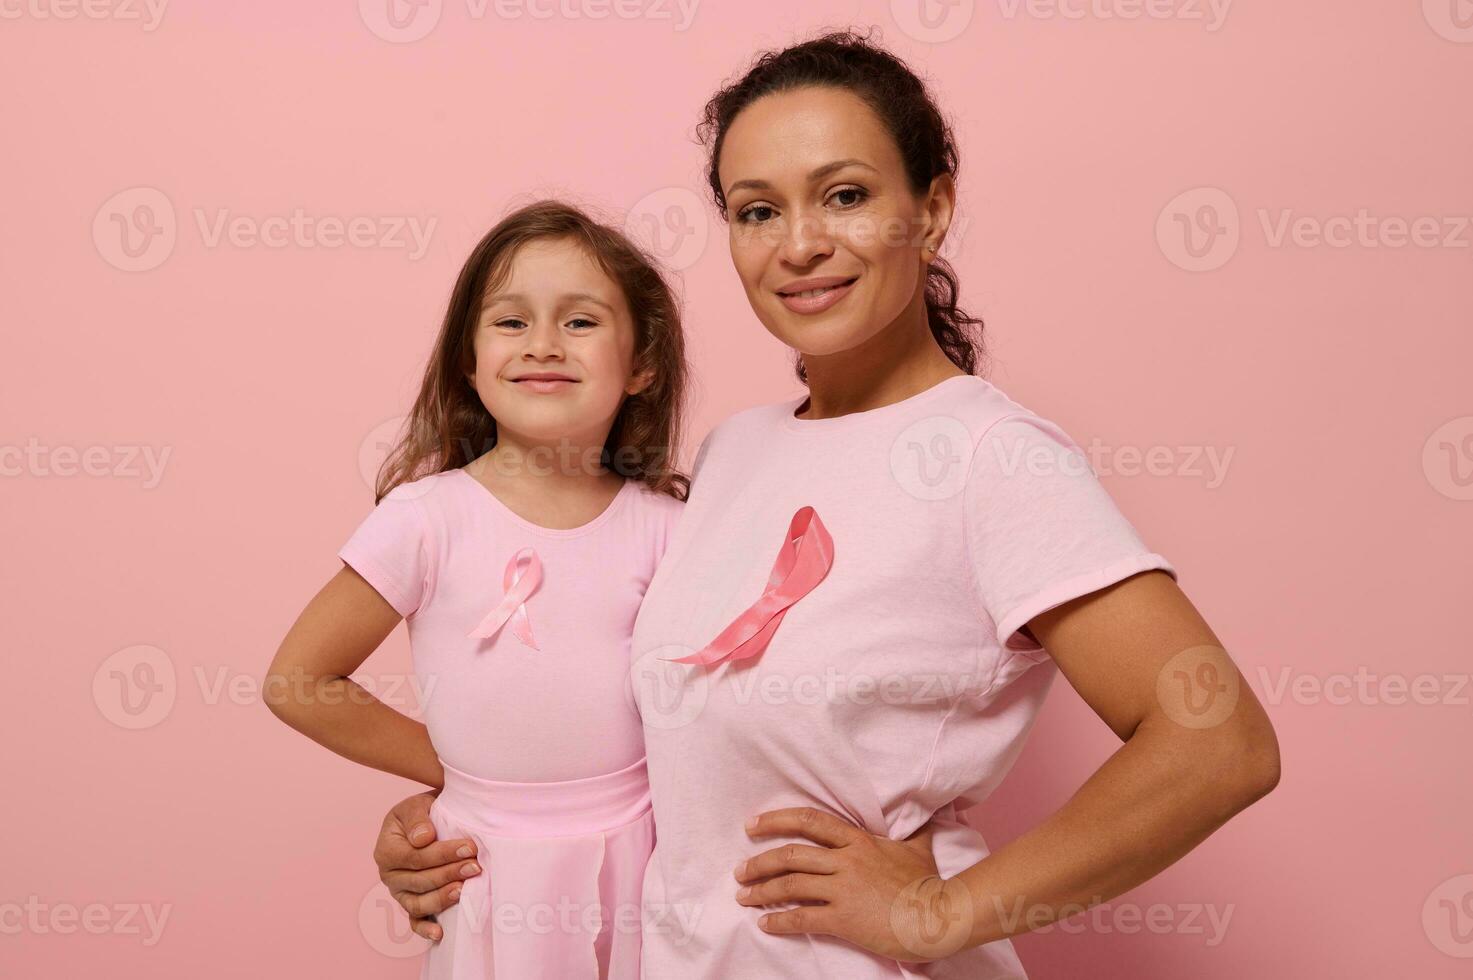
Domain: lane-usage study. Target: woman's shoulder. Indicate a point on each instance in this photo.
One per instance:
(991, 414)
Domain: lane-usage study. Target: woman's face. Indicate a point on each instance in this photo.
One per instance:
(826, 234)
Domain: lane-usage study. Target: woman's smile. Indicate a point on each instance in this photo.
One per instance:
(808, 296)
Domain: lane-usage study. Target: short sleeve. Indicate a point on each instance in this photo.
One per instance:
(1041, 529)
(391, 549)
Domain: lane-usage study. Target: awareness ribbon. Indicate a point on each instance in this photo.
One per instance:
(805, 558)
(523, 575)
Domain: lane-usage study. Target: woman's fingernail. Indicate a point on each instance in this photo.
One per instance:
(751, 824)
(464, 852)
(455, 894)
(469, 869)
(740, 870)
(419, 835)
(744, 892)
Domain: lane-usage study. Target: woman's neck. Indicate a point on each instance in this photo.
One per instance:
(902, 360)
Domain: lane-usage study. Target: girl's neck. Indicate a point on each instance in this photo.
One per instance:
(559, 468)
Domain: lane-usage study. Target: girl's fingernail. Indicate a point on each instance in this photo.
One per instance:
(469, 869)
(464, 852)
(455, 894)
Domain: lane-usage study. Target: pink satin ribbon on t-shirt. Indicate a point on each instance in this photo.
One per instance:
(523, 575)
(806, 556)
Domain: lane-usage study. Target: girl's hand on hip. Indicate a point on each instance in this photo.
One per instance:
(883, 895)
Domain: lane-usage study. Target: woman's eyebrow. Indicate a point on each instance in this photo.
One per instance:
(816, 174)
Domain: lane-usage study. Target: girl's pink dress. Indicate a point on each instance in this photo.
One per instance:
(520, 637)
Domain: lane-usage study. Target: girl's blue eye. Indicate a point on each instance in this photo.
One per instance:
(508, 323)
(577, 320)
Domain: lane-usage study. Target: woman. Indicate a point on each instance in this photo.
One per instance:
(870, 591)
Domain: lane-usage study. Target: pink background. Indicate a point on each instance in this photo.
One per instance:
(1336, 543)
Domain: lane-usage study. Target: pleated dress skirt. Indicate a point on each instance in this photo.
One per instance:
(562, 865)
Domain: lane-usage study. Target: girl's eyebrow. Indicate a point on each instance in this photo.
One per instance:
(563, 300)
(816, 174)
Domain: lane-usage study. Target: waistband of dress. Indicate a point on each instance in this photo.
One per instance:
(550, 809)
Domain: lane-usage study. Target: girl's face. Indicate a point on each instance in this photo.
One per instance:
(554, 347)
(826, 235)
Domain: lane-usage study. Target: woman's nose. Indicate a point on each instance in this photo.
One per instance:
(807, 237)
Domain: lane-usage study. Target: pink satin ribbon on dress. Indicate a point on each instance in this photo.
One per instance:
(805, 558)
(523, 575)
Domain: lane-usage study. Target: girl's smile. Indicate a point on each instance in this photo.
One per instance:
(544, 382)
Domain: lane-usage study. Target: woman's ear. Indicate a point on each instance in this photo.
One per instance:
(940, 207)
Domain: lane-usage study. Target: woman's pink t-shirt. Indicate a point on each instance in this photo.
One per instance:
(898, 688)
(437, 550)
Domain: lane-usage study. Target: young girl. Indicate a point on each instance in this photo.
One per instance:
(547, 425)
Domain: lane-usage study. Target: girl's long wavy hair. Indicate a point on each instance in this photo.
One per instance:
(449, 426)
(844, 59)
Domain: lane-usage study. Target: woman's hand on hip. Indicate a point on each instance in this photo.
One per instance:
(424, 875)
(880, 894)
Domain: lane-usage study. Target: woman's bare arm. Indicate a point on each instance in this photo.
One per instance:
(1198, 749)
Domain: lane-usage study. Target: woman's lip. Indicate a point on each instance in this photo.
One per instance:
(819, 303)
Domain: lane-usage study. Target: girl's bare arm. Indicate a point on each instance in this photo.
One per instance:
(308, 684)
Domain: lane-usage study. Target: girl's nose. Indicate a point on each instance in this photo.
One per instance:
(543, 340)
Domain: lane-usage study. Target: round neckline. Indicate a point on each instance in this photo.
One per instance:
(793, 423)
(551, 532)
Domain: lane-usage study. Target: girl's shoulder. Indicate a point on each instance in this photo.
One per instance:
(426, 489)
(656, 502)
